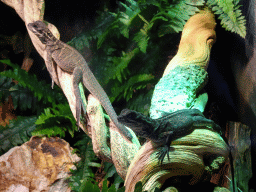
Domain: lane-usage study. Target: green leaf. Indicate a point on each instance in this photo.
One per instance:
(93, 164)
(122, 189)
(142, 39)
(105, 186)
(196, 2)
(176, 15)
(40, 89)
(138, 187)
(16, 133)
(127, 17)
(121, 63)
(134, 83)
(230, 15)
(55, 121)
(112, 189)
(142, 36)
(89, 186)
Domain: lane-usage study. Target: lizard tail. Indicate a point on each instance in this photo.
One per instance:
(91, 83)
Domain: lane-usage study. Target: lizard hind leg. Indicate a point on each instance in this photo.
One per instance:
(77, 77)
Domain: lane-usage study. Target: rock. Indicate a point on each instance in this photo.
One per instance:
(36, 165)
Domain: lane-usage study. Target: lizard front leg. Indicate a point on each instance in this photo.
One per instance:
(165, 149)
(49, 62)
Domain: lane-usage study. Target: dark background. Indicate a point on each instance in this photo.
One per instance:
(232, 68)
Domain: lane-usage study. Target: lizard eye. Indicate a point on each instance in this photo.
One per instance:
(39, 31)
(35, 25)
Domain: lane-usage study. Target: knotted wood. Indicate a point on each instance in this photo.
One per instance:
(182, 80)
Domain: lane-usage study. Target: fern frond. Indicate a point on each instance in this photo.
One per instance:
(134, 83)
(121, 63)
(16, 133)
(5, 84)
(141, 102)
(132, 9)
(175, 15)
(142, 36)
(79, 42)
(125, 21)
(84, 171)
(40, 89)
(22, 98)
(55, 121)
(230, 15)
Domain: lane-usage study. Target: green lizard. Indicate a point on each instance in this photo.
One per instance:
(167, 128)
(71, 61)
(170, 127)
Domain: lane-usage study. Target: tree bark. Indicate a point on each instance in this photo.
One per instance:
(179, 88)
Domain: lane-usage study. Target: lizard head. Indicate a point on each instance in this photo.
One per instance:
(40, 29)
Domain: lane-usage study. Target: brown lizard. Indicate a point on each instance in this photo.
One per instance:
(71, 61)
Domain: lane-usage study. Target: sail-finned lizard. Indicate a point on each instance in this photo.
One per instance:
(167, 128)
(71, 61)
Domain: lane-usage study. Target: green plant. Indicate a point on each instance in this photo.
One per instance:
(16, 133)
(136, 39)
(55, 121)
(84, 171)
(28, 93)
(230, 15)
(31, 94)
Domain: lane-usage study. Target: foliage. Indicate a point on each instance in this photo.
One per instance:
(230, 15)
(22, 97)
(84, 171)
(134, 83)
(112, 174)
(84, 177)
(16, 133)
(144, 100)
(133, 41)
(131, 46)
(92, 186)
(55, 121)
(28, 93)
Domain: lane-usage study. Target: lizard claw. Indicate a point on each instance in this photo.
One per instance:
(162, 153)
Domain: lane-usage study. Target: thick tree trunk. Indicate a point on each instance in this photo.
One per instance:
(195, 157)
